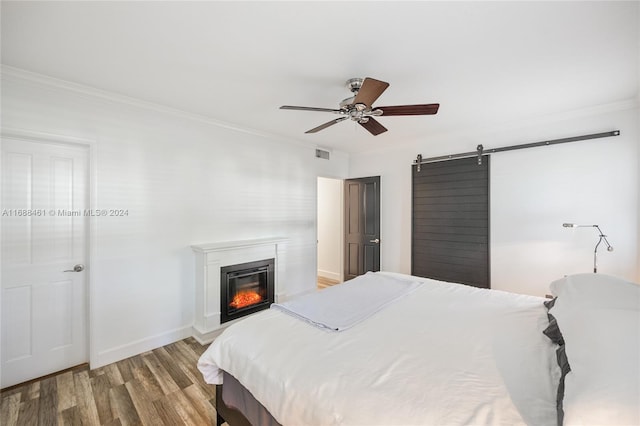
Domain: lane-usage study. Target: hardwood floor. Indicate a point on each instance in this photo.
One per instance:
(326, 282)
(160, 387)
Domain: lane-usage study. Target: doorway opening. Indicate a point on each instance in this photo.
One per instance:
(330, 231)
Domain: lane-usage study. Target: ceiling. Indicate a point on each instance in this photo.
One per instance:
(486, 63)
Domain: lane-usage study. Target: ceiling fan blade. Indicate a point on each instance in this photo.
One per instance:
(373, 126)
(370, 91)
(423, 109)
(325, 125)
(303, 108)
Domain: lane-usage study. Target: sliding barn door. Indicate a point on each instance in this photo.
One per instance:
(450, 221)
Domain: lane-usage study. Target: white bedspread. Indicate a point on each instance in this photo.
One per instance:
(447, 354)
(340, 307)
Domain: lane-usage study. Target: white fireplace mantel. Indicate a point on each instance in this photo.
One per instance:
(210, 257)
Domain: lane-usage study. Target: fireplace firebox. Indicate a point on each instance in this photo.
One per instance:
(246, 288)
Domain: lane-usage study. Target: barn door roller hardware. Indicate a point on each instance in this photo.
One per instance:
(480, 151)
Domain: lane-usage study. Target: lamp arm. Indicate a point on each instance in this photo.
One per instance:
(595, 254)
(600, 239)
(604, 237)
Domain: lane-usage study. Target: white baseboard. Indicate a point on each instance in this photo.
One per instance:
(205, 338)
(336, 276)
(139, 346)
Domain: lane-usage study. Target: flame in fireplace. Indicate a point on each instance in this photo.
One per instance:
(245, 298)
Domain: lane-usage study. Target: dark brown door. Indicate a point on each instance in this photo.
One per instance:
(450, 221)
(362, 226)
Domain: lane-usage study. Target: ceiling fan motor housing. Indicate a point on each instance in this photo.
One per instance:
(354, 84)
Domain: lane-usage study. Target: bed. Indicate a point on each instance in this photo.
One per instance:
(438, 354)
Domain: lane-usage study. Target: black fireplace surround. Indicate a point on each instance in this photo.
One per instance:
(246, 288)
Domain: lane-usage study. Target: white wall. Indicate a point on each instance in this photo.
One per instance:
(533, 192)
(184, 181)
(330, 231)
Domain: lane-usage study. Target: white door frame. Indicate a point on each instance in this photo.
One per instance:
(340, 229)
(51, 138)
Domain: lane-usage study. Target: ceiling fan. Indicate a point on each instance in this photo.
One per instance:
(360, 109)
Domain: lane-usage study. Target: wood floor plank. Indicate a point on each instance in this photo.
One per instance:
(149, 382)
(85, 400)
(201, 402)
(167, 412)
(144, 405)
(324, 282)
(69, 417)
(161, 375)
(113, 373)
(32, 391)
(28, 415)
(189, 414)
(184, 355)
(114, 422)
(136, 361)
(172, 368)
(197, 348)
(100, 386)
(9, 409)
(96, 372)
(48, 406)
(66, 391)
(121, 401)
(125, 367)
(5, 393)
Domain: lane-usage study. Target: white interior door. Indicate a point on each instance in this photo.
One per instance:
(44, 233)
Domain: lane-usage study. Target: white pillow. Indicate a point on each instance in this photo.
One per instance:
(599, 318)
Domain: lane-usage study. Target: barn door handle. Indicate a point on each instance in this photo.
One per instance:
(377, 241)
(77, 268)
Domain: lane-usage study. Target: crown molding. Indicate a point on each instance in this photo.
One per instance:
(34, 136)
(32, 77)
(8, 72)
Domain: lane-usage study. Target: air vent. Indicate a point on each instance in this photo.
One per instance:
(320, 153)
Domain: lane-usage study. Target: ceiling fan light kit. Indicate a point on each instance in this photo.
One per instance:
(359, 107)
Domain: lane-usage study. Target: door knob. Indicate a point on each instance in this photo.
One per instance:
(377, 240)
(77, 268)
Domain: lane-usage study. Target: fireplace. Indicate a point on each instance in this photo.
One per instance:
(246, 288)
(210, 258)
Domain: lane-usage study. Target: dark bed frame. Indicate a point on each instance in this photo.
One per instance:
(241, 406)
(227, 414)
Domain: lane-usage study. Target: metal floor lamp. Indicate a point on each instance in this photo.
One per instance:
(601, 236)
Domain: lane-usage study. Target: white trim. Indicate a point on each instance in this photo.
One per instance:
(336, 276)
(33, 136)
(93, 250)
(230, 245)
(204, 338)
(137, 347)
(51, 138)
